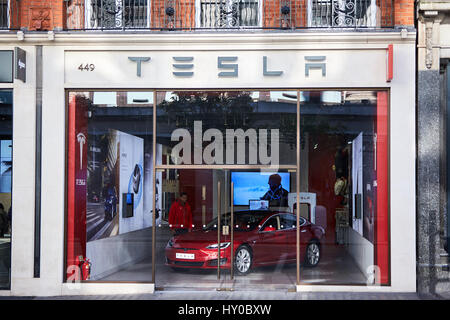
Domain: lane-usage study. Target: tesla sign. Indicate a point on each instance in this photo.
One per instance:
(184, 66)
(225, 69)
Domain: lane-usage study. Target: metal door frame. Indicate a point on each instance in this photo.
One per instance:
(225, 167)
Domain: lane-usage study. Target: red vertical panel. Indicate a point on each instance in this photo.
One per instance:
(321, 177)
(390, 63)
(382, 226)
(76, 175)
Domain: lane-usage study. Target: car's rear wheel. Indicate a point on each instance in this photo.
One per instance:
(243, 260)
(313, 254)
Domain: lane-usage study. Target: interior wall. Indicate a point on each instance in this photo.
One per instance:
(112, 254)
(304, 169)
(192, 182)
(321, 179)
(220, 176)
(361, 250)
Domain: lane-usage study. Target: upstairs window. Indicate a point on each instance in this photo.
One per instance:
(229, 13)
(4, 14)
(117, 14)
(343, 13)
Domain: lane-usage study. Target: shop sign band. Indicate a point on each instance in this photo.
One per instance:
(183, 66)
(160, 69)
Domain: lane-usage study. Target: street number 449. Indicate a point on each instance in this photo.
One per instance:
(86, 67)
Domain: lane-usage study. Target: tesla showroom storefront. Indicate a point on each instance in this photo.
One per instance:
(218, 177)
(179, 165)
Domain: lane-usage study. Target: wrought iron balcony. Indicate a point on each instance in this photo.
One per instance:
(226, 14)
(9, 15)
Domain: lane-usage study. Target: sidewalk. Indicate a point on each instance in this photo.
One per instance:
(249, 295)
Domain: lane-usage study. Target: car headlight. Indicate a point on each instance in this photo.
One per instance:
(170, 243)
(223, 245)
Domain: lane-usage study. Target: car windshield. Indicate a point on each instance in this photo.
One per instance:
(243, 221)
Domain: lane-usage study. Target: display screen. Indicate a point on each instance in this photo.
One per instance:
(258, 204)
(129, 198)
(254, 185)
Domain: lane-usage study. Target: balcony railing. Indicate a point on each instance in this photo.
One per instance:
(9, 15)
(226, 14)
(229, 14)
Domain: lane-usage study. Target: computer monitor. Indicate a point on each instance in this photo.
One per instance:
(249, 185)
(258, 204)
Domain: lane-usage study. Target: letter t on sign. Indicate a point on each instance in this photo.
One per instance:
(139, 61)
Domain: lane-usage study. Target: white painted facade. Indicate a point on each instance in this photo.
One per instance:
(354, 60)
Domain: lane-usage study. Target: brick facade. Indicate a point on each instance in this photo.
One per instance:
(71, 14)
(183, 15)
(30, 12)
(404, 12)
(273, 18)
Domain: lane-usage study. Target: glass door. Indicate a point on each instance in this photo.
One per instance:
(211, 236)
(260, 234)
(190, 250)
(228, 170)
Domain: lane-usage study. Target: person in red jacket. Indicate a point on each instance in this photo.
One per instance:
(180, 215)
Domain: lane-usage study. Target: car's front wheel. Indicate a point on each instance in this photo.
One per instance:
(313, 254)
(243, 260)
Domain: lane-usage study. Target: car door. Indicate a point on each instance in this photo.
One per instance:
(288, 225)
(271, 242)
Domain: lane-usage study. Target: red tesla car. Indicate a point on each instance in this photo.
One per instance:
(261, 238)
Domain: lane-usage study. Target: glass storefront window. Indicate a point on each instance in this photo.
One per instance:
(225, 172)
(110, 193)
(6, 98)
(228, 127)
(344, 176)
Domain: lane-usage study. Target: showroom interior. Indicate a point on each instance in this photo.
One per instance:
(250, 157)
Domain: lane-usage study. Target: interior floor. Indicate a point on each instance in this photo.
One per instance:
(336, 267)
